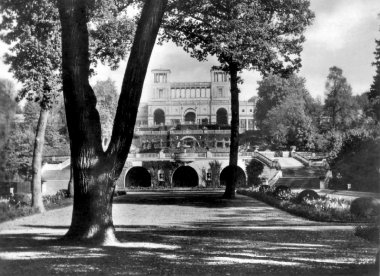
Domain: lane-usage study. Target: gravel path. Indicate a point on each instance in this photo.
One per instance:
(187, 233)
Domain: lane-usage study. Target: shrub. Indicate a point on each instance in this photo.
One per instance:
(307, 195)
(264, 188)
(322, 209)
(365, 207)
(370, 233)
(21, 199)
(254, 169)
(278, 153)
(282, 192)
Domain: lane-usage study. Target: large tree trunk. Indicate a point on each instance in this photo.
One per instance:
(234, 147)
(95, 171)
(37, 160)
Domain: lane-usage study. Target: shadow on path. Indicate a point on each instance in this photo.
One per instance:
(244, 238)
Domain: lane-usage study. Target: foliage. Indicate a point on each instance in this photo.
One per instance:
(106, 95)
(242, 34)
(19, 205)
(287, 125)
(307, 195)
(370, 233)
(273, 90)
(215, 169)
(283, 192)
(7, 110)
(251, 34)
(286, 113)
(340, 107)
(357, 161)
(365, 207)
(374, 93)
(17, 154)
(35, 57)
(323, 209)
(254, 169)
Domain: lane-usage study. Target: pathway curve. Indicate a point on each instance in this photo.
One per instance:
(187, 233)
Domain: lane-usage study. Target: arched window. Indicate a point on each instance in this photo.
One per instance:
(159, 117)
(221, 117)
(190, 117)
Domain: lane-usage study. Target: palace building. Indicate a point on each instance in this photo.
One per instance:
(192, 103)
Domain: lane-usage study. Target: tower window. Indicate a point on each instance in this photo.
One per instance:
(220, 92)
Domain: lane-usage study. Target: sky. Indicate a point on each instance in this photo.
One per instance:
(343, 34)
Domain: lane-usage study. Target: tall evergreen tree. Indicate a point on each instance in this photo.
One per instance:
(340, 106)
(374, 94)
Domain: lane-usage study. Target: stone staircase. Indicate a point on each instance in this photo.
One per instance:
(297, 176)
(299, 182)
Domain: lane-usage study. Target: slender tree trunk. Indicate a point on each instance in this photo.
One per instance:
(94, 171)
(70, 185)
(234, 146)
(37, 160)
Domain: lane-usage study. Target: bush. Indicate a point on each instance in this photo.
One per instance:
(323, 209)
(282, 192)
(254, 169)
(307, 195)
(264, 188)
(370, 233)
(278, 153)
(55, 199)
(21, 199)
(365, 207)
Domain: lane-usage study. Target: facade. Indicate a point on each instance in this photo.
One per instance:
(186, 103)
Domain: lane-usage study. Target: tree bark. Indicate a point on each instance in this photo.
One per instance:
(94, 171)
(37, 160)
(234, 146)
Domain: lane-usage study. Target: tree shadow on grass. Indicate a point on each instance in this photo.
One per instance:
(192, 250)
(245, 239)
(194, 199)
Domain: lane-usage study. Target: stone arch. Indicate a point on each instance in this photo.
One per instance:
(185, 176)
(159, 116)
(226, 175)
(137, 177)
(222, 116)
(186, 139)
(190, 116)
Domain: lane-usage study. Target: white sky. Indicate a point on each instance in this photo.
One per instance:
(343, 34)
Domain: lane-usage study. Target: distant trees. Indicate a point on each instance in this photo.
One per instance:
(339, 107)
(107, 96)
(374, 94)
(7, 109)
(285, 112)
(35, 62)
(18, 149)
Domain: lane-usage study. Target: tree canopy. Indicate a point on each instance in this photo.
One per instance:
(242, 34)
(340, 107)
(374, 94)
(261, 35)
(285, 112)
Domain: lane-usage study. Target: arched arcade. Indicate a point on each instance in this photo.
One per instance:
(185, 176)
